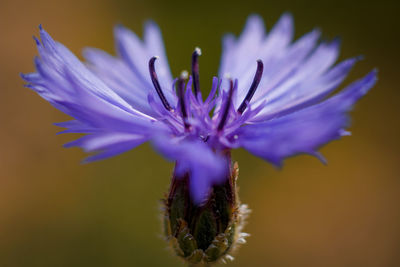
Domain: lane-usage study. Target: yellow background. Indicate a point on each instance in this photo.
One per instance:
(55, 211)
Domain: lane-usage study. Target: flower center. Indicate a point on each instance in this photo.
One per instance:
(180, 86)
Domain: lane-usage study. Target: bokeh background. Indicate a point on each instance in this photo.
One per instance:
(55, 211)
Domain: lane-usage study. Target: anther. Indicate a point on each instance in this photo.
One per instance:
(156, 84)
(253, 87)
(195, 70)
(180, 91)
(227, 105)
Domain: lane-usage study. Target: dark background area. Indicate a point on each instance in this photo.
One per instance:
(55, 211)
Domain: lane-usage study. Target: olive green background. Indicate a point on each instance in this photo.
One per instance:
(55, 211)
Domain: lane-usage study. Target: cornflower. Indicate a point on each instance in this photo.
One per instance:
(272, 97)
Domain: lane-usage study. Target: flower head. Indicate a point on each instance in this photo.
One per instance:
(272, 97)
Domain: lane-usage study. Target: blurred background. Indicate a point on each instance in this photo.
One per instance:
(55, 211)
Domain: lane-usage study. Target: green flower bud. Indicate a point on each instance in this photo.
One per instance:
(206, 233)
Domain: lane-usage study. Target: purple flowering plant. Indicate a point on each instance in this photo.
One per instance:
(273, 97)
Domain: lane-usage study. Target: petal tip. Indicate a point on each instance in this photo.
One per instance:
(336, 42)
(254, 21)
(372, 77)
(23, 76)
(150, 24)
(36, 40)
(119, 27)
(287, 19)
(287, 15)
(255, 18)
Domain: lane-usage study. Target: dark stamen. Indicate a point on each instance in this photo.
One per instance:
(253, 87)
(156, 84)
(180, 90)
(227, 106)
(195, 70)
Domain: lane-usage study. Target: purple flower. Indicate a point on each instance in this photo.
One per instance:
(272, 97)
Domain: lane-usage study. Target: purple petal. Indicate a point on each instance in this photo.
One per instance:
(119, 77)
(205, 167)
(106, 145)
(307, 93)
(306, 130)
(136, 54)
(155, 45)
